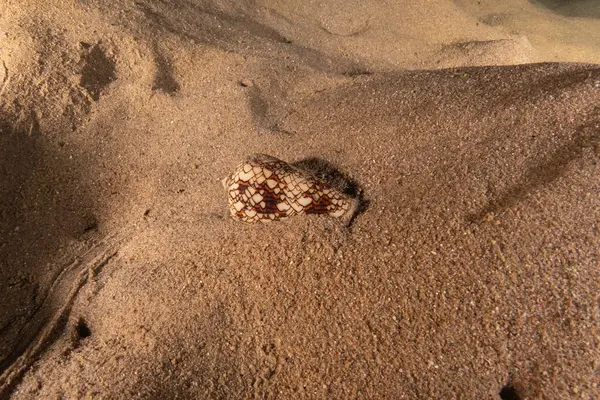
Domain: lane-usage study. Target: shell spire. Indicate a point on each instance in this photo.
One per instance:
(264, 188)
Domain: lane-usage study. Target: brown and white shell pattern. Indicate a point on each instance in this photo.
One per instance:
(264, 188)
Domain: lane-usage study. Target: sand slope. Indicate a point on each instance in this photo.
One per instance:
(475, 262)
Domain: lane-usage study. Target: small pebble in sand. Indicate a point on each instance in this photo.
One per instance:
(264, 188)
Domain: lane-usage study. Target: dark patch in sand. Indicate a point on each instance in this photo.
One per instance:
(164, 80)
(509, 392)
(98, 70)
(82, 329)
(572, 8)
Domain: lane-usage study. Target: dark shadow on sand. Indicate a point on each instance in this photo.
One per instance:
(548, 170)
(572, 8)
(44, 209)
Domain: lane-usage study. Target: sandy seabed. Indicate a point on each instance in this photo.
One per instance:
(470, 128)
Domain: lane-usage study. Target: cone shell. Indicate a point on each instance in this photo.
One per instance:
(264, 188)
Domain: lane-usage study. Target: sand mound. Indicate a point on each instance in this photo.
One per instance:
(473, 267)
(491, 52)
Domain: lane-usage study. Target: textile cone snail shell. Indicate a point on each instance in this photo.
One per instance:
(264, 188)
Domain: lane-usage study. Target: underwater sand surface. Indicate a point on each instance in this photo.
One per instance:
(471, 129)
